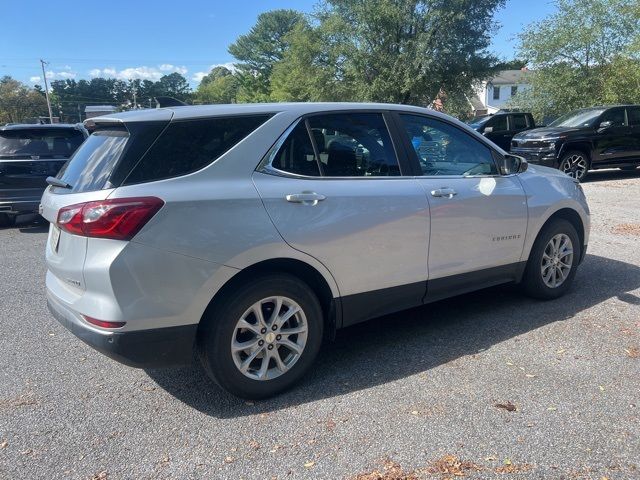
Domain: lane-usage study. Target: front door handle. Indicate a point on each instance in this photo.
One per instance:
(305, 198)
(444, 192)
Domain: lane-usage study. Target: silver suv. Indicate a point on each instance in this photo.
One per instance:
(249, 233)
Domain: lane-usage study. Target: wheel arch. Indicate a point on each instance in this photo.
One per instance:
(583, 147)
(331, 307)
(573, 217)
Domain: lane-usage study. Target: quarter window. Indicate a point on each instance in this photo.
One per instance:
(296, 154)
(187, 146)
(443, 149)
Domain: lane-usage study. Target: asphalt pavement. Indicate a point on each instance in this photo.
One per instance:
(487, 385)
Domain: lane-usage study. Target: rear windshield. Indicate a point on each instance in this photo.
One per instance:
(93, 163)
(187, 146)
(26, 143)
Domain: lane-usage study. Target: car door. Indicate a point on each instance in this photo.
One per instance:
(612, 141)
(497, 130)
(478, 217)
(344, 199)
(633, 116)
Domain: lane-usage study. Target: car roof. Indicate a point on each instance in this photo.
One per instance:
(201, 111)
(36, 126)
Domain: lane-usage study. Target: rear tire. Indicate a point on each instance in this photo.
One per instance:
(550, 271)
(234, 323)
(576, 164)
(7, 220)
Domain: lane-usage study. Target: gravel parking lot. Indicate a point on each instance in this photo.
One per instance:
(491, 384)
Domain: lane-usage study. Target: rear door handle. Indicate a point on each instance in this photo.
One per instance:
(305, 198)
(444, 192)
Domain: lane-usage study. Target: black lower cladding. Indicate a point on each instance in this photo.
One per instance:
(367, 305)
(159, 347)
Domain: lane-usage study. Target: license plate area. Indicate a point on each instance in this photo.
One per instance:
(55, 238)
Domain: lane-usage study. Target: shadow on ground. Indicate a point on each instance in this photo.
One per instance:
(416, 340)
(611, 175)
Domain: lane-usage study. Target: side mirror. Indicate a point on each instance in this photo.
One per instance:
(512, 164)
(605, 125)
(487, 130)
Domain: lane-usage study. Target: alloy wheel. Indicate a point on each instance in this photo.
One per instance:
(575, 166)
(557, 260)
(269, 338)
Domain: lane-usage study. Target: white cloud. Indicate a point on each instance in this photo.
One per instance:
(55, 75)
(35, 79)
(198, 76)
(142, 72)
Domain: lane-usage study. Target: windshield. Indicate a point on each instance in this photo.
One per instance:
(26, 143)
(579, 118)
(479, 121)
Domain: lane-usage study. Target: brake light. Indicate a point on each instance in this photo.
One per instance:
(103, 323)
(117, 219)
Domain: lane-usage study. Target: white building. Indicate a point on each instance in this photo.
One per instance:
(494, 94)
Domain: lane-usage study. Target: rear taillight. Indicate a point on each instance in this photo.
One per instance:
(104, 323)
(118, 218)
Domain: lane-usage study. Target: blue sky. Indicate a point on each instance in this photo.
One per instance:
(144, 39)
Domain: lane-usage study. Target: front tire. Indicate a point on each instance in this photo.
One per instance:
(261, 338)
(576, 164)
(553, 261)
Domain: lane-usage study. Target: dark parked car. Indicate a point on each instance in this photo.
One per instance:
(501, 127)
(586, 139)
(28, 155)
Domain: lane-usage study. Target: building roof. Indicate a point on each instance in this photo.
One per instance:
(508, 77)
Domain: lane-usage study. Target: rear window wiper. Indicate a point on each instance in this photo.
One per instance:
(56, 182)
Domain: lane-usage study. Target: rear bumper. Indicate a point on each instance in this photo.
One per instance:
(16, 207)
(152, 348)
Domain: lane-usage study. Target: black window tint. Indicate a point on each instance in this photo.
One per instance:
(519, 122)
(634, 115)
(89, 169)
(499, 123)
(615, 116)
(187, 146)
(354, 145)
(446, 150)
(296, 154)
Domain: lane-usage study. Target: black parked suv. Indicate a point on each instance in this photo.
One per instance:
(586, 139)
(501, 127)
(28, 155)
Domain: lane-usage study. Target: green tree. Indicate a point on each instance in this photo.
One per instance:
(219, 86)
(401, 51)
(19, 102)
(174, 85)
(585, 54)
(260, 49)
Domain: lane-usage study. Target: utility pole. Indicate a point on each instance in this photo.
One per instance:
(46, 90)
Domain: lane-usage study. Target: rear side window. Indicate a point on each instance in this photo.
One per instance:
(25, 143)
(188, 146)
(499, 123)
(634, 116)
(93, 162)
(519, 122)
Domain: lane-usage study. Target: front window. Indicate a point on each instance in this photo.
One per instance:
(443, 149)
(578, 119)
(26, 143)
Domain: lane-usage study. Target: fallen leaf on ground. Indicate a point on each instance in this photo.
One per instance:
(627, 229)
(229, 459)
(4, 444)
(452, 465)
(391, 471)
(103, 475)
(255, 445)
(633, 352)
(309, 464)
(508, 406)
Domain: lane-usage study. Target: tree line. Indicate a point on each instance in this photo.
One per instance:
(417, 52)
